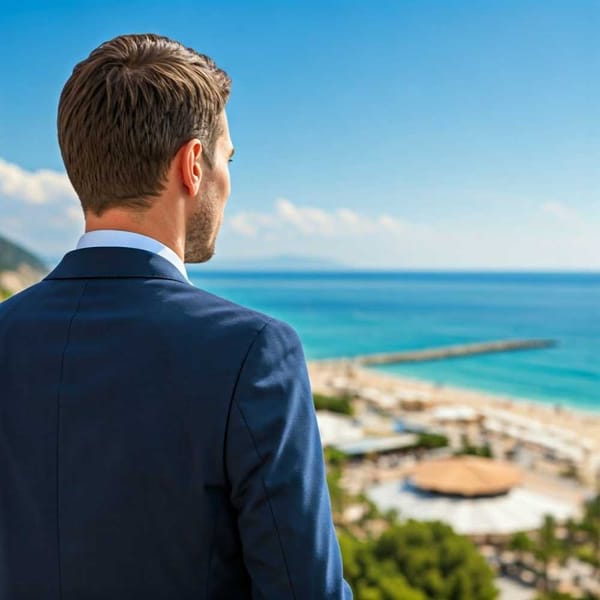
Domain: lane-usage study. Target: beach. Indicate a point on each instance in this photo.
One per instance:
(404, 397)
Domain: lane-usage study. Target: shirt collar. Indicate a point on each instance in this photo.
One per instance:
(129, 239)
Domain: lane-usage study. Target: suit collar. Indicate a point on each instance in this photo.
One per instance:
(114, 262)
(129, 239)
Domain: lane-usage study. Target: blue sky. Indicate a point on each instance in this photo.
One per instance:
(416, 134)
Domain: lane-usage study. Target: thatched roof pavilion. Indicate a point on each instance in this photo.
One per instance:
(476, 496)
(468, 476)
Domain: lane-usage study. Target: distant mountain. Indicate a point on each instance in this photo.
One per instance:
(285, 262)
(19, 268)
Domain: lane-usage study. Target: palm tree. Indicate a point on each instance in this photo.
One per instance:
(546, 548)
(520, 543)
(591, 525)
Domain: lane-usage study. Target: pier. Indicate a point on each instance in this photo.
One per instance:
(445, 352)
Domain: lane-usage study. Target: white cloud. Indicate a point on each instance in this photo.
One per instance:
(347, 216)
(250, 224)
(550, 235)
(241, 223)
(393, 225)
(305, 219)
(563, 213)
(288, 218)
(35, 187)
(46, 216)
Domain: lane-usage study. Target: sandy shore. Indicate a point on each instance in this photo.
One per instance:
(582, 427)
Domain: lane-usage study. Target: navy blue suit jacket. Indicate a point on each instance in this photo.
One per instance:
(156, 442)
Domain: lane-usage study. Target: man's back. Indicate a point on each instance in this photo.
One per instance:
(156, 441)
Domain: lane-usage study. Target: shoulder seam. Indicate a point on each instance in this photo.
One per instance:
(287, 569)
(234, 390)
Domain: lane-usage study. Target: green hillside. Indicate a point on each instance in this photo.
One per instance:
(19, 268)
(13, 256)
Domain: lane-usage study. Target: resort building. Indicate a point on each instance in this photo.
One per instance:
(476, 496)
(361, 437)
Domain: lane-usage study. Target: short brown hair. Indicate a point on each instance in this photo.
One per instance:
(128, 108)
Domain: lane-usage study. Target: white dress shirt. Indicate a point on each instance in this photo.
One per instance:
(129, 239)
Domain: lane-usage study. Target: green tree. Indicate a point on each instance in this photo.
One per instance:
(569, 545)
(396, 588)
(334, 463)
(520, 543)
(339, 404)
(371, 579)
(468, 449)
(334, 457)
(337, 493)
(590, 525)
(431, 440)
(417, 560)
(546, 548)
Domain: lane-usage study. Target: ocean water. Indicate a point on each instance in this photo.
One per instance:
(345, 314)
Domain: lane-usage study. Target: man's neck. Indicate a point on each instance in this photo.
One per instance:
(152, 223)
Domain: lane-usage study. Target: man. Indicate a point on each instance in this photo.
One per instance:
(156, 441)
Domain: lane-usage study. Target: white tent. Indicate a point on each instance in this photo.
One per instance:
(520, 509)
(336, 429)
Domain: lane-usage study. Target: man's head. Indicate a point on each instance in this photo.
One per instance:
(143, 118)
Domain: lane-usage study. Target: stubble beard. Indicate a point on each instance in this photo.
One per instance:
(201, 229)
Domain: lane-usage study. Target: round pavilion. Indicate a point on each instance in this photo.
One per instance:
(468, 476)
(476, 496)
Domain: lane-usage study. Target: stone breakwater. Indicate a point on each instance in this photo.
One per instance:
(445, 352)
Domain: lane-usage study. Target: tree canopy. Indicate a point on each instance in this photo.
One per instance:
(417, 560)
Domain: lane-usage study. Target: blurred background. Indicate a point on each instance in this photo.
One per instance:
(415, 189)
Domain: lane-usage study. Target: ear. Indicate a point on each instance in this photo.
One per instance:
(191, 172)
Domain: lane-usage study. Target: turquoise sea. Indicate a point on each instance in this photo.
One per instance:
(349, 313)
